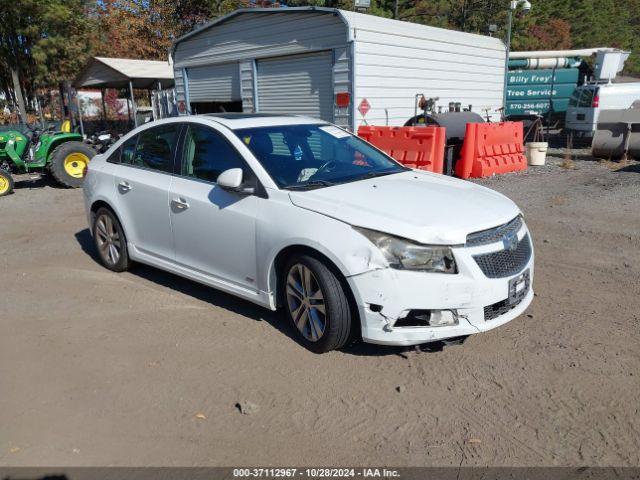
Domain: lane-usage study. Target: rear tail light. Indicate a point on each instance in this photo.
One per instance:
(596, 101)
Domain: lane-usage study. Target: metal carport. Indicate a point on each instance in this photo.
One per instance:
(102, 72)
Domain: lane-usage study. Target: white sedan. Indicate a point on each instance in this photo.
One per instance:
(297, 213)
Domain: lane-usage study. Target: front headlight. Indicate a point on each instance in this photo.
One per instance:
(406, 255)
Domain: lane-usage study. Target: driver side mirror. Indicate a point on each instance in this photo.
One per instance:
(231, 180)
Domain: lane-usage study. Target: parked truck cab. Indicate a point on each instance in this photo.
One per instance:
(588, 100)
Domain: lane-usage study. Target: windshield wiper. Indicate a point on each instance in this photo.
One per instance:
(310, 185)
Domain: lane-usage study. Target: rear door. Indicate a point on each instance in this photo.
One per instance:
(142, 183)
(583, 109)
(214, 229)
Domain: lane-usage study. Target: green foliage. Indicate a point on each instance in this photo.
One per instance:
(45, 40)
(550, 25)
(48, 41)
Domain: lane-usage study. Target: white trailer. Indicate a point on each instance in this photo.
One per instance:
(326, 63)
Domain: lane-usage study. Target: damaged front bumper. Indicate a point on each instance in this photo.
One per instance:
(469, 302)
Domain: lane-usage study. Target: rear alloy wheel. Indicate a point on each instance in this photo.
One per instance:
(316, 304)
(69, 162)
(110, 241)
(6, 183)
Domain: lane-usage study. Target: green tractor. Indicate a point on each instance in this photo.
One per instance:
(62, 153)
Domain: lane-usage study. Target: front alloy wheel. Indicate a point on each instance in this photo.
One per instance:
(306, 302)
(316, 303)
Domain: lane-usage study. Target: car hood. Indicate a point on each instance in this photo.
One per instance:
(421, 206)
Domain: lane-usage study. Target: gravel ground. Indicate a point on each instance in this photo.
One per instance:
(145, 368)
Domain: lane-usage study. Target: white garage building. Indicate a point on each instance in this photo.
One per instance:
(296, 60)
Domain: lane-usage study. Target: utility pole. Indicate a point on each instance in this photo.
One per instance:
(513, 5)
(506, 62)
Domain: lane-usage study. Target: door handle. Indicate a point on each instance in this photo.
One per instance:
(180, 203)
(124, 186)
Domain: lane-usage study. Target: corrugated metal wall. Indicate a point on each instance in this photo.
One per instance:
(179, 84)
(396, 60)
(252, 36)
(391, 61)
(297, 84)
(246, 86)
(342, 67)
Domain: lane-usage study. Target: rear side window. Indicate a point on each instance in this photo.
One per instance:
(152, 149)
(207, 154)
(128, 149)
(115, 156)
(586, 99)
(124, 153)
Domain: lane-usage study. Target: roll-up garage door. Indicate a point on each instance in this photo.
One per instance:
(214, 83)
(297, 85)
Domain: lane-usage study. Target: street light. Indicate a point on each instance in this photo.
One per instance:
(513, 5)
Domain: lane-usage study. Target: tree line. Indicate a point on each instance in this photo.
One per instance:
(44, 43)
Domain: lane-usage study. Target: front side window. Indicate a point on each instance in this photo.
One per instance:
(152, 149)
(207, 154)
(312, 156)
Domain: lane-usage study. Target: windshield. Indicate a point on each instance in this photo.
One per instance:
(302, 157)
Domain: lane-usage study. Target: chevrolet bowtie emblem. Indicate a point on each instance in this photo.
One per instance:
(510, 241)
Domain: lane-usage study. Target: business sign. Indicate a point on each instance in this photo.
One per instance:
(539, 107)
(539, 91)
(531, 91)
(543, 77)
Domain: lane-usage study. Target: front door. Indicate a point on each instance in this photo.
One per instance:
(142, 181)
(582, 113)
(213, 229)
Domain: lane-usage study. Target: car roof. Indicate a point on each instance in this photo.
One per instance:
(232, 121)
(236, 121)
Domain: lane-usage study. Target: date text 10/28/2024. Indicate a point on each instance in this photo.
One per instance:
(315, 473)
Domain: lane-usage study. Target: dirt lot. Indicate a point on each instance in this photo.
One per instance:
(146, 368)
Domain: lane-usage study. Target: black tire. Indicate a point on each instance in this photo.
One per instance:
(338, 314)
(57, 163)
(106, 224)
(6, 183)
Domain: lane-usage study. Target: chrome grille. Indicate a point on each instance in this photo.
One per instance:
(505, 263)
(493, 235)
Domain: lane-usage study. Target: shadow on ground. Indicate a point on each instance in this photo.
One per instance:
(635, 168)
(242, 307)
(38, 182)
